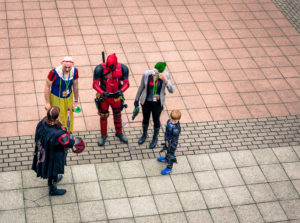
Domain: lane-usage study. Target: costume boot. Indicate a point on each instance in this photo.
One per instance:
(101, 141)
(122, 137)
(53, 191)
(155, 138)
(144, 136)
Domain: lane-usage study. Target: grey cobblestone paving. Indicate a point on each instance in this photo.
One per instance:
(206, 137)
(291, 10)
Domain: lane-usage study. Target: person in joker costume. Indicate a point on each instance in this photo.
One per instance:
(60, 84)
(151, 94)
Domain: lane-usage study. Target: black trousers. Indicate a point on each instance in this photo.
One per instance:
(52, 180)
(152, 107)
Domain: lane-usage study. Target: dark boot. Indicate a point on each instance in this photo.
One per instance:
(101, 141)
(155, 138)
(53, 191)
(144, 136)
(122, 137)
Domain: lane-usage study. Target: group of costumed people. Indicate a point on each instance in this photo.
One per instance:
(54, 137)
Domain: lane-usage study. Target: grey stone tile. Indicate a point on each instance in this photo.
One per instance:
(200, 162)
(13, 199)
(148, 219)
(88, 191)
(272, 211)
(36, 214)
(252, 175)
(69, 197)
(265, 156)
(230, 177)
(215, 198)
(222, 160)
(297, 150)
(184, 182)
(261, 192)
(224, 215)
(66, 213)
(286, 154)
(192, 200)
(15, 216)
(243, 158)
(291, 208)
(153, 167)
(34, 197)
(274, 172)
(284, 190)
(30, 179)
(92, 211)
(143, 206)
(161, 184)
(67, 176)
(10, 180)
(127, 220)
(198, 216)
(118, 208)
(133, 168)
(294, 221)
(207, 180)
(248, 214)
(239, 195)
(182, 165)
(112, 189)
(167, 203)
(171, 218)
(84, 173)
(297, 185)
(108, 171)
(137, 187)
(292, 170)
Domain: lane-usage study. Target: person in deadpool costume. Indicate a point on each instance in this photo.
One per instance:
(110, 81)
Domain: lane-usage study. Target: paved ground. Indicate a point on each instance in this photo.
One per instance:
(235, 67)
(260, 185)
(228, 59)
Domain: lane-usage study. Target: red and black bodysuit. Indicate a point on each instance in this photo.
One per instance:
(111, 81)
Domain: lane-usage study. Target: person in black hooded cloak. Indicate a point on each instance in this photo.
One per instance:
(51, 143)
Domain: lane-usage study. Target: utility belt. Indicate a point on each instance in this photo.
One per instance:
(100, 98)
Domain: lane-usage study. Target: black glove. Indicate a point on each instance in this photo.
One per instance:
(106, 94)
(136, 104)
(118, 94)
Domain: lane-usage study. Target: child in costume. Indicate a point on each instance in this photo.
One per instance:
(151, 94)
(62, 80)
(171, 141)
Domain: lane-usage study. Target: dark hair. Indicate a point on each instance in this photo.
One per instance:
(52, 115)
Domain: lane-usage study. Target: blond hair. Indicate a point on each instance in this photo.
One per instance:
(175, 114)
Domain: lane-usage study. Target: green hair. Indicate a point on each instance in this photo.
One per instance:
(160, 66)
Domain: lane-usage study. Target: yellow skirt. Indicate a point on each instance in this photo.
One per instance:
(63, 104)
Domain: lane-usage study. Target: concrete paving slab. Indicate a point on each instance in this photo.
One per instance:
(118, 208)
(13, 199)
(137, 187)
(230, 177)
(113, 189)
(108, 171)
(143, 206)
(215, 198)
(10, 181)
(161, 184)
(167, 203)
(168, 218)
(92, 211)
(207, 180)
(248, 214)
(252, 175)
(223, 215)
(274, 172)
(84, 173)
(222, 160)
(239, 195)
(192, 200)
(88, 191)
(272, 211)
(66, 213)
(243, 158)
(286, 154)
(37, 214)
(284, 190)
(292, 170)
(200, 162)
(132, 169)
(184, 182)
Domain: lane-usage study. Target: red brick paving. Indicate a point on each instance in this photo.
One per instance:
(232, 59)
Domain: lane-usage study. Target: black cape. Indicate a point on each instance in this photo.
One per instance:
(49, 155)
